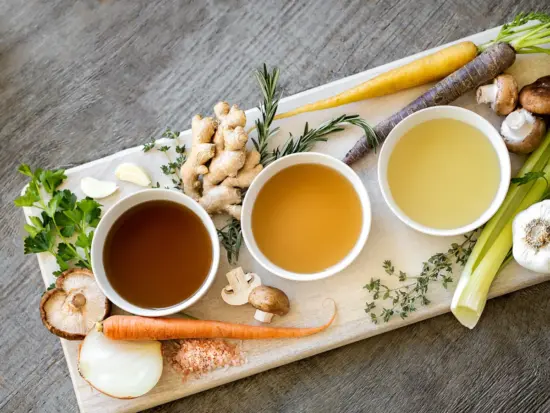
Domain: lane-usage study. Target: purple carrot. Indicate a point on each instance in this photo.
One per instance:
(482, 69)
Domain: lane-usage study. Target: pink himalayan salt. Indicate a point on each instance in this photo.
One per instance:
(197, 356)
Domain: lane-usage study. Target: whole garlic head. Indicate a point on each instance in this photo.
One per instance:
(531, 236)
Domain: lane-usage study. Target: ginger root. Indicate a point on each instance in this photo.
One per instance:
(222, 145)
(202, 150)
(251, 168)
(219, 199)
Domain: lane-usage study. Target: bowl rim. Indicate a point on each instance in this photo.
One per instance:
(276, 167)
(445, 112)
(119, 208)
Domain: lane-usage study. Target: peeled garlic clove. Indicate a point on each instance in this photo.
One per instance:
(117, 368)
(94, 188)
(130, 172)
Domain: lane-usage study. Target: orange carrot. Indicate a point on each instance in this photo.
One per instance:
(121, 327)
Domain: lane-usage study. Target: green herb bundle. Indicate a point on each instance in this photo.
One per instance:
(65, 225)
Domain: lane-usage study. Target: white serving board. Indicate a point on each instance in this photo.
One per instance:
(389, 239)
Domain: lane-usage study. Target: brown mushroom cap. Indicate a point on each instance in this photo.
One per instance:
(270, 300)
(72, 308)
(536, 96)
(507, 94)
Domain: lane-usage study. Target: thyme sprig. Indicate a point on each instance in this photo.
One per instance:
(406, 298)
(172, 167)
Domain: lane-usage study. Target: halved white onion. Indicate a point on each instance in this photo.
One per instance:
(94, 188)
(133, 173)
(120, 369)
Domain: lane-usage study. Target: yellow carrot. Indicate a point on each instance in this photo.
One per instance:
(419, 72)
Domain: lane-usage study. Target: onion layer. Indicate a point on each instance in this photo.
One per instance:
(120, 369)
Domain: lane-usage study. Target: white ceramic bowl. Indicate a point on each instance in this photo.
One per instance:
(445, 112)
(273, 169)
(109, 219)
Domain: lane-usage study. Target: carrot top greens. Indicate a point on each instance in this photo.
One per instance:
(526, 33)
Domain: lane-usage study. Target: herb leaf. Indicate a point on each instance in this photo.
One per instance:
(268, 108)
(43, 241)
(528, 177)
(310, 137)
(172, 167)
(62, 217)
(231, 238)
(406, 298)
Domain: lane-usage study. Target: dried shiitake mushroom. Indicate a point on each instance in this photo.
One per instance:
(72, 308)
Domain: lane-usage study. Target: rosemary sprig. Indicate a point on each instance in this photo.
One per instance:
(310, 137)
(406, 298)
(172, 167)
(268, 109)
(231, 238)
(230, 235)
(522, 37)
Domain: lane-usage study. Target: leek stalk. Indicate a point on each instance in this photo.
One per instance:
(473, 287)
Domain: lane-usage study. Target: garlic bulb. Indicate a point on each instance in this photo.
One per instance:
(531, 235)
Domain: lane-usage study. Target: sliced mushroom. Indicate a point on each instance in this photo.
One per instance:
(240, 286)
(536, 96)
(502, 94)
(522, 132)
(268, 301)
(72, 308)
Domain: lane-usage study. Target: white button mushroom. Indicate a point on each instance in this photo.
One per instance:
(240, 286)
(268, 301)
(522, 132)
(502, 94)
(72, 308)
(531, 236)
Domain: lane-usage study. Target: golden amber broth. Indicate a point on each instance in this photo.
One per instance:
(444, 173)
(157, 254)
(307, 218)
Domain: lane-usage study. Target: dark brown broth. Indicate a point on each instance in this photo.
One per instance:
(157, 254)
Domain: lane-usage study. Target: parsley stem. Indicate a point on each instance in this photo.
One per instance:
(86, 261)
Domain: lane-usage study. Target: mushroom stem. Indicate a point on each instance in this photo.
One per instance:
(487, 93)
(78, 300)
(520, 121)
(263, 316)
(537, 233)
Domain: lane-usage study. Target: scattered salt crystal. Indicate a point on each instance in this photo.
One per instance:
(195, 357)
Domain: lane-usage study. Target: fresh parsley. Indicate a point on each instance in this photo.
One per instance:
(65, 225)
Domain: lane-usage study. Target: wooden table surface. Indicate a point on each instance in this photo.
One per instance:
(80, 80)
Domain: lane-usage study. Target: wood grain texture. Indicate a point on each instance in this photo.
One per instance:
(80, 80)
